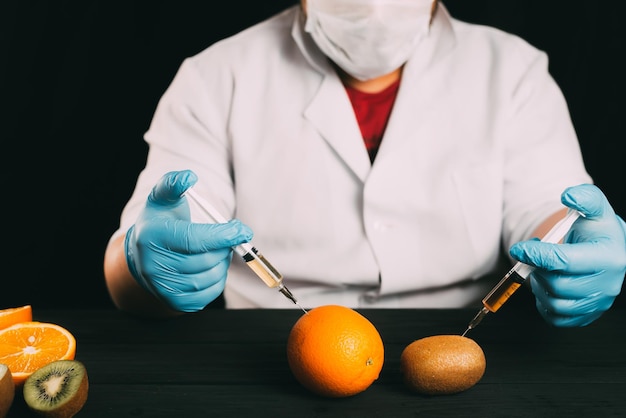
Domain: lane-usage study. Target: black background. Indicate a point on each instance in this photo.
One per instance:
(79, 81)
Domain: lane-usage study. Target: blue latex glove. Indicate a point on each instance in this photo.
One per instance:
(577, 281)
(183, 264)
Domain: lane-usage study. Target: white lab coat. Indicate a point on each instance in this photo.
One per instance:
(476, 153)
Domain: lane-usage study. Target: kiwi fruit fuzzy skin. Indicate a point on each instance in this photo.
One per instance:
(7, 390)
(442, 364)
(70, 377)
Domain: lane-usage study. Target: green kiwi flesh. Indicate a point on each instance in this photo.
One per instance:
(7, 390)
(58, 389)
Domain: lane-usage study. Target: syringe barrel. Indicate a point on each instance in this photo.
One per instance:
(253, 258)
(261, 267)
(503, 290)
(518, 274)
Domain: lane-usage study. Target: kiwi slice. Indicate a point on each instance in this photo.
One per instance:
(7, 390)
(58, 389)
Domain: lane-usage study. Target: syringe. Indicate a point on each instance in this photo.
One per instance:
(252, 257)
(520, 271)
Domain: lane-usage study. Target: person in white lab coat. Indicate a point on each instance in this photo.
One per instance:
(384, 153)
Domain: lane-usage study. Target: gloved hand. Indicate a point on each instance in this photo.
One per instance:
(577, 281)
(183, 264)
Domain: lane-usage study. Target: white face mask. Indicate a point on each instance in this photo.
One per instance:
(368, 38)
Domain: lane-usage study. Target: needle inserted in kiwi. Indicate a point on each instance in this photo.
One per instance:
(57, 390)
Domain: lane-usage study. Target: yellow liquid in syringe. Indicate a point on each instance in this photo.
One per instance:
(270, 276)
(503, 291)
(263, 269)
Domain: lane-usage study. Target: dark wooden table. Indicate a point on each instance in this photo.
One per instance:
(232, 363)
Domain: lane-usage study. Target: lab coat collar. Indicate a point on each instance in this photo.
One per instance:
(331, 113)
(412, 113)
(440, 40)
(307, 45)
(339, 127)
(330, 110)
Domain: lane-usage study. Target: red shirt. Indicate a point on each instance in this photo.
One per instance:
(372, 112)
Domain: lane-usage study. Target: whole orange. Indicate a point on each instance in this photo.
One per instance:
(335, 351)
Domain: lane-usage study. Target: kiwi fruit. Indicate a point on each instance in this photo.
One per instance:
(442, 364)
(58, 389)
(7, 390)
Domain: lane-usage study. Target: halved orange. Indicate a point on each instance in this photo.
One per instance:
(28, 346)
(10, 316)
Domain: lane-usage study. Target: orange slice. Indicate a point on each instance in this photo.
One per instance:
(12, 316)
(28, 346)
